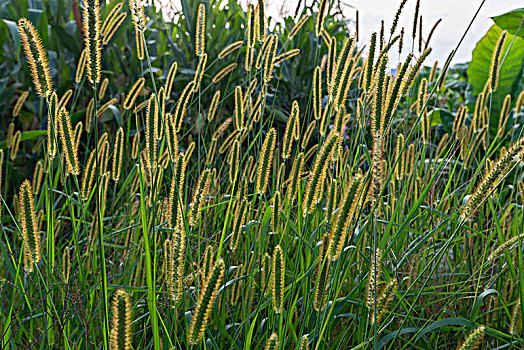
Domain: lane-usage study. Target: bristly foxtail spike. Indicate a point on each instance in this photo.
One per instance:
(199, 195)
(213, 107)
(473, 340)
(343, 218)
(202, 61)
(291, 130)
(204, 305)
(272, 342)
(322, 276)
(498, 171)
(68, 142)
(264, 161)
(261, 21)
(234, 161)
(494, 71)
(321, 16)
(318, 175)
(92, 40)
(118, 154)
(88, 177)
(275, 213)
(29, 227)
(304, 343)
(239, 111)
(294, 177)
(36, 57)
(120, 336)
(52, 125)
(317, 93)
(369, 69)
(200, 31)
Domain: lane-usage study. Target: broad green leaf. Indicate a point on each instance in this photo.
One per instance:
(28, 135)
(511, 21)
(510, 71)
(442, 116)
(13, 29)
(66, 40)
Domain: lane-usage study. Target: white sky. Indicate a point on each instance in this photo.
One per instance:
(455, 14)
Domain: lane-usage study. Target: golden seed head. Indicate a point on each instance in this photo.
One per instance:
(494, 72)
(36, 57)
(200, 31)
(120, 335)
(200, 71)
(91, 16)
(205, 301)
(29, 227)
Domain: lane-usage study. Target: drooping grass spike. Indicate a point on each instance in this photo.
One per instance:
(176, 192)
(223, 72)
(175, 264)
(238, 222)
(88, 176)
(298, 25)
(383, 301)
(181, 105)
(113, 28)
(52, 125)
(213, 106)
(494, 71)
(118, 154)
(202, 61)
(265, 160)
(15, 144)
(291, 130)
(152, 131)
(316, 181)
(286, 55)
(170, 78)
(110, 18)
(68, 141)
(294, 177)
(205, 303)
(80, 68)
(497, 172)
(230, 48)
(19, 103)
(322, 275)
(29, 227)
(137, 87)
(269, 60)
(199, 196)
(344, 217)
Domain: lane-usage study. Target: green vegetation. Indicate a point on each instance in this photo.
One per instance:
(176, 185)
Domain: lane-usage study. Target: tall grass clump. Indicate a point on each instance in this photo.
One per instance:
(209, 178)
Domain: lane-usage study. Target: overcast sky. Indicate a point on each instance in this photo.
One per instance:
(455, 14)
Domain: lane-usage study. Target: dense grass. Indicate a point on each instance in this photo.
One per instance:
(357, 219)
